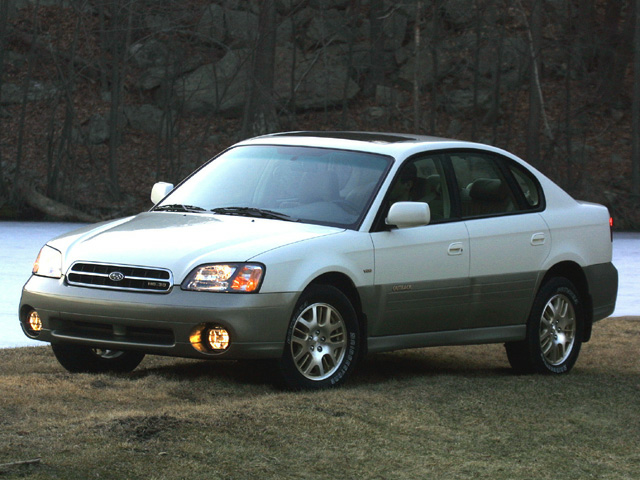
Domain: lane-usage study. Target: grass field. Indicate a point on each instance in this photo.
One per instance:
(435, 413)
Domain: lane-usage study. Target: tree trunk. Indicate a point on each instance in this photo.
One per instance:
(292, 73)
(351, 25)
(635, 175)
(260, 115)
(120, 44)
(433, 46)
(64, 158)
(535, 104)
(23, 107)
(570, 49)
(585, 28)
(615, 50)
(102, 61)
(416, 71)
(494, 113)
(52, 208)
(476, 70)
(4, 14)
(376, 45)
(345, 90)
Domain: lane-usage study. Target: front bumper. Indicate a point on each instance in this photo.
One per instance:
(156, 323)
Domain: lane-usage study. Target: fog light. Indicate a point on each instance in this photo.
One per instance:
(34, 321)
(218, 338)
(210, 339)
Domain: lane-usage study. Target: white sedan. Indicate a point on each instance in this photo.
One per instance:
(314, 248)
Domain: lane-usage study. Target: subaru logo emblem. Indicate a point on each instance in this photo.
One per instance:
(116, 276)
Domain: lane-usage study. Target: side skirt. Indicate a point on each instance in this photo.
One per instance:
(454, 337)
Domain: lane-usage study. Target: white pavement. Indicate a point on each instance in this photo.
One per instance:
(626, 258)
(20, 243)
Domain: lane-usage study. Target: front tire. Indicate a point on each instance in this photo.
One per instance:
(323, 340)
(554, 331)
(83, 359)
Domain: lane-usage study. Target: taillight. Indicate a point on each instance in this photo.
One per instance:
(611, 227)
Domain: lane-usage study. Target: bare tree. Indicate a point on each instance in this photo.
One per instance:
(351, 28)
(4, 14)
(291, 106)
(568, 134)
(585, 30)
(494, 112)
(416, 70)
(65, 155)
(476, 66)
(375, 76)
(102, 61)
(636, 105)
(534, 32)
(434, 43)
(260, 109)
(120, 36)
(23, 107)
(615, 49)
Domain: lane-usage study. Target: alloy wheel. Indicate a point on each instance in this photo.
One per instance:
(319, 341)
(558, 327)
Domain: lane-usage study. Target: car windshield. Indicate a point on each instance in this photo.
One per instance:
(306, 184)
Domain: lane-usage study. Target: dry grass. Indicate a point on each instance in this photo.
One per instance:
(430, 413)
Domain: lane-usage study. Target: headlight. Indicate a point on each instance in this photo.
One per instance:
(230, 277)
(48, 263)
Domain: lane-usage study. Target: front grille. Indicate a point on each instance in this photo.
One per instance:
(120, 277)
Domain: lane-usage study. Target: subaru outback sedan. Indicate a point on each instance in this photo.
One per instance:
(315, 248)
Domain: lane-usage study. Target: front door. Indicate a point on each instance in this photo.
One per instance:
(421, 273)
(422, 279)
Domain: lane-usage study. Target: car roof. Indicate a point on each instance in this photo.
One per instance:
(397, 145)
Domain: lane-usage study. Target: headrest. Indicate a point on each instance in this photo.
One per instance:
(488, 190)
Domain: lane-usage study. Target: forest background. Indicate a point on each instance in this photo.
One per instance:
(99, 99)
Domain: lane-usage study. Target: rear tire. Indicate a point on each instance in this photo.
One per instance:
(83, 359)
(554, 331)
(323, 340)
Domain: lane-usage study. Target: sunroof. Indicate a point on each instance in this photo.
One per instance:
(358, 136)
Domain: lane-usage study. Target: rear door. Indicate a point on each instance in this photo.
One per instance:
(508, 239)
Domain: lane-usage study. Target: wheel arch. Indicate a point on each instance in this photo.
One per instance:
(343, 283)
(575, 274)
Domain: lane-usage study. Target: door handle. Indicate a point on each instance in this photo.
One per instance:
(538, 239)
(456, 248)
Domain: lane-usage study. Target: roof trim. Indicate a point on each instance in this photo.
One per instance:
(370, 137)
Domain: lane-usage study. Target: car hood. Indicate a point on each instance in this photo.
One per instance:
(179, 241)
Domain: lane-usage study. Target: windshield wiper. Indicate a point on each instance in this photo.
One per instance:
(253, 212)
(178, 207)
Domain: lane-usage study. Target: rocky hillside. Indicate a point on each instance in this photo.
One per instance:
(101, 98)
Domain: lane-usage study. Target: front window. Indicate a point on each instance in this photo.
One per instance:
(422, 180)
(313, 185)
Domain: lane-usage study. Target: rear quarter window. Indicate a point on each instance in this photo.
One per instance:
(528, 185)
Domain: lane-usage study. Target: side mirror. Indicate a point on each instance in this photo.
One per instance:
(159, 191)
(409, 214)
